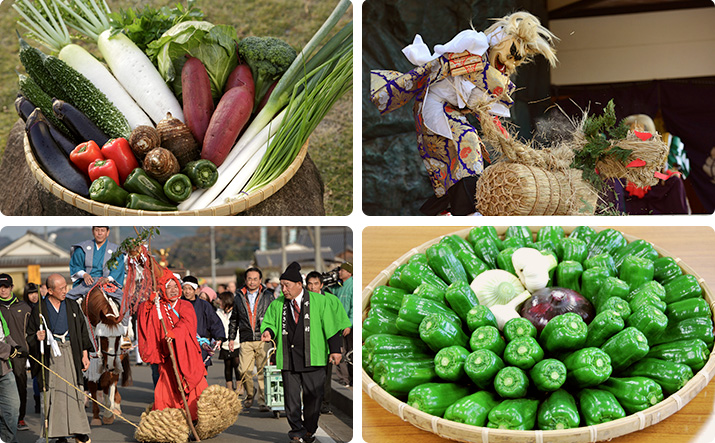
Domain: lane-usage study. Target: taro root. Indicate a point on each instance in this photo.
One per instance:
(177, 138)
(160, 164)
(143, 139)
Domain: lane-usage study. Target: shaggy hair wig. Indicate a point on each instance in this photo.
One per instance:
(528, 35)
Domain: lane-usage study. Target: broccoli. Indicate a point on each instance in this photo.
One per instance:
(269, 58)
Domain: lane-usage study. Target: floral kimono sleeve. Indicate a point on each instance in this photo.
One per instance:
(390, 90)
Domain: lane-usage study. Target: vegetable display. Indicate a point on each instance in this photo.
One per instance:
(176, 89)
(570, 359)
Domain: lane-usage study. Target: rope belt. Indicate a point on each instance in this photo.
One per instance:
(62, 337)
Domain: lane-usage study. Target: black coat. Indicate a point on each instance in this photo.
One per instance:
(239, 315)
(79, 337)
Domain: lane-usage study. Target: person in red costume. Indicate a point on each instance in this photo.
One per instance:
(180, 320)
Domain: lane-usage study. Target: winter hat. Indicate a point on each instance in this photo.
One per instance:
(292, 273)
(347, 266)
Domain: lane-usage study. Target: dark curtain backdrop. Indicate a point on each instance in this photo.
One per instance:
(687, 107)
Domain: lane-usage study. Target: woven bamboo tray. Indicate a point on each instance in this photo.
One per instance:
(467, 433)
(239, 205)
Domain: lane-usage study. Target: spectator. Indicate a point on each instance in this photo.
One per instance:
(344, 292)
(229, 357)
(314, 283)
(221, 288)
(31, 297)
(9, 399)
(16, 313)
(208, 325)
(231, 287)
(308, 315)
(250, 305)
(67, 347)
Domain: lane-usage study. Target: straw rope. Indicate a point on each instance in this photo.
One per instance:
(166, 426)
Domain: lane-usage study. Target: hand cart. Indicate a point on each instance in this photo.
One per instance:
(273, 386)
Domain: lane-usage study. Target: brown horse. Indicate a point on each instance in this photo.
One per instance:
(104, 317)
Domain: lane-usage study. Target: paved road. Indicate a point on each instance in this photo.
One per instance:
(251, 426)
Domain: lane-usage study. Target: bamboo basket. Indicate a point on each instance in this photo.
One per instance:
(467, 433)
(239, 205)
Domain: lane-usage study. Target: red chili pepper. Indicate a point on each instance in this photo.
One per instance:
(104, 167)
(85, 154)
(118, 149)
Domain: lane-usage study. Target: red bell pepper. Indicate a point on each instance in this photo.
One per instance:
(118, 149)
(85, 154)
(102, 168)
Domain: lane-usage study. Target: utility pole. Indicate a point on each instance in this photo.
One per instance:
(284, 258)
(318, 253)
(213, 256)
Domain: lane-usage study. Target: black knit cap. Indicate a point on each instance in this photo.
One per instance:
(292, 273)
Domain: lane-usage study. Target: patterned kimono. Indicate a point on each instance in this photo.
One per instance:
(442, 88)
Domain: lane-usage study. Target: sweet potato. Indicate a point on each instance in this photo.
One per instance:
(240, 76)
(227, 121)
(196, 94)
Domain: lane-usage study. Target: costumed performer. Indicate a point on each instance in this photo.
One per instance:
(458, 76)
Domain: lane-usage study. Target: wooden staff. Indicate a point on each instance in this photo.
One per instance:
(174, 365)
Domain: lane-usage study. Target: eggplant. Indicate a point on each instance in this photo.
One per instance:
(79, 124)
(51, 158)
(24, 108)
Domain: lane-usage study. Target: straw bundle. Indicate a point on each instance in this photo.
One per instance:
(166, 426)
(653, 152)
(218, 408)
(508, 188)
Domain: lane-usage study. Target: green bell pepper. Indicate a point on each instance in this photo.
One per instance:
(523, 352)
(105, 190)
(634, 393)
(649, 320)
(438, 331)
(520, 232)
(387, 297)
(585, 233)
(449, 363)
(516, 414)
(568, 275)
(398, 376)
(392, 344)
(487, 337)
(479, 316)
(513, 242)
(599, 406)
(601, 260)
(457, 243)
(665, 269)
(553, 233)
(604, 325)
(652, 288)
(696, 327)
(610, 287)
(146, 203)
(636, 271)
(626, 348)
(518, 327)
(445, 264)
(428, 290)
(419, 257)
(472, 409)
(587, 367)
(481, 366)
(415, 308)
(565, 332)
(487, 250)
(379, 321)
(473, 265)
(478, 232)
(669, 375)
(548, 375)
(139, 182)
(461, 298)
(636, 248)
(511, 382)
(572, 249)
(395, 281)
(617, 304)
(591, 281)
(202, 173)
(646, 298)
(692, 352)
(435, 398)
(416, 273)
(375, 359)
(608, 241)
(681, 288)
(504, 260)
(688, 308)
(558, 411)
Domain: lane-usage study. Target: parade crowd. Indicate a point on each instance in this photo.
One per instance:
(292, 322)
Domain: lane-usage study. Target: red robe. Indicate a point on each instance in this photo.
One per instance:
(154, 349)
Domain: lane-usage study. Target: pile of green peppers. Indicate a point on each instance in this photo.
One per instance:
(428, 341)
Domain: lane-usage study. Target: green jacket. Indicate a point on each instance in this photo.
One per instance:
(327, 318)
(344, 292)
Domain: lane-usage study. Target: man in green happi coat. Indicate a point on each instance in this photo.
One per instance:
(307, 328)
